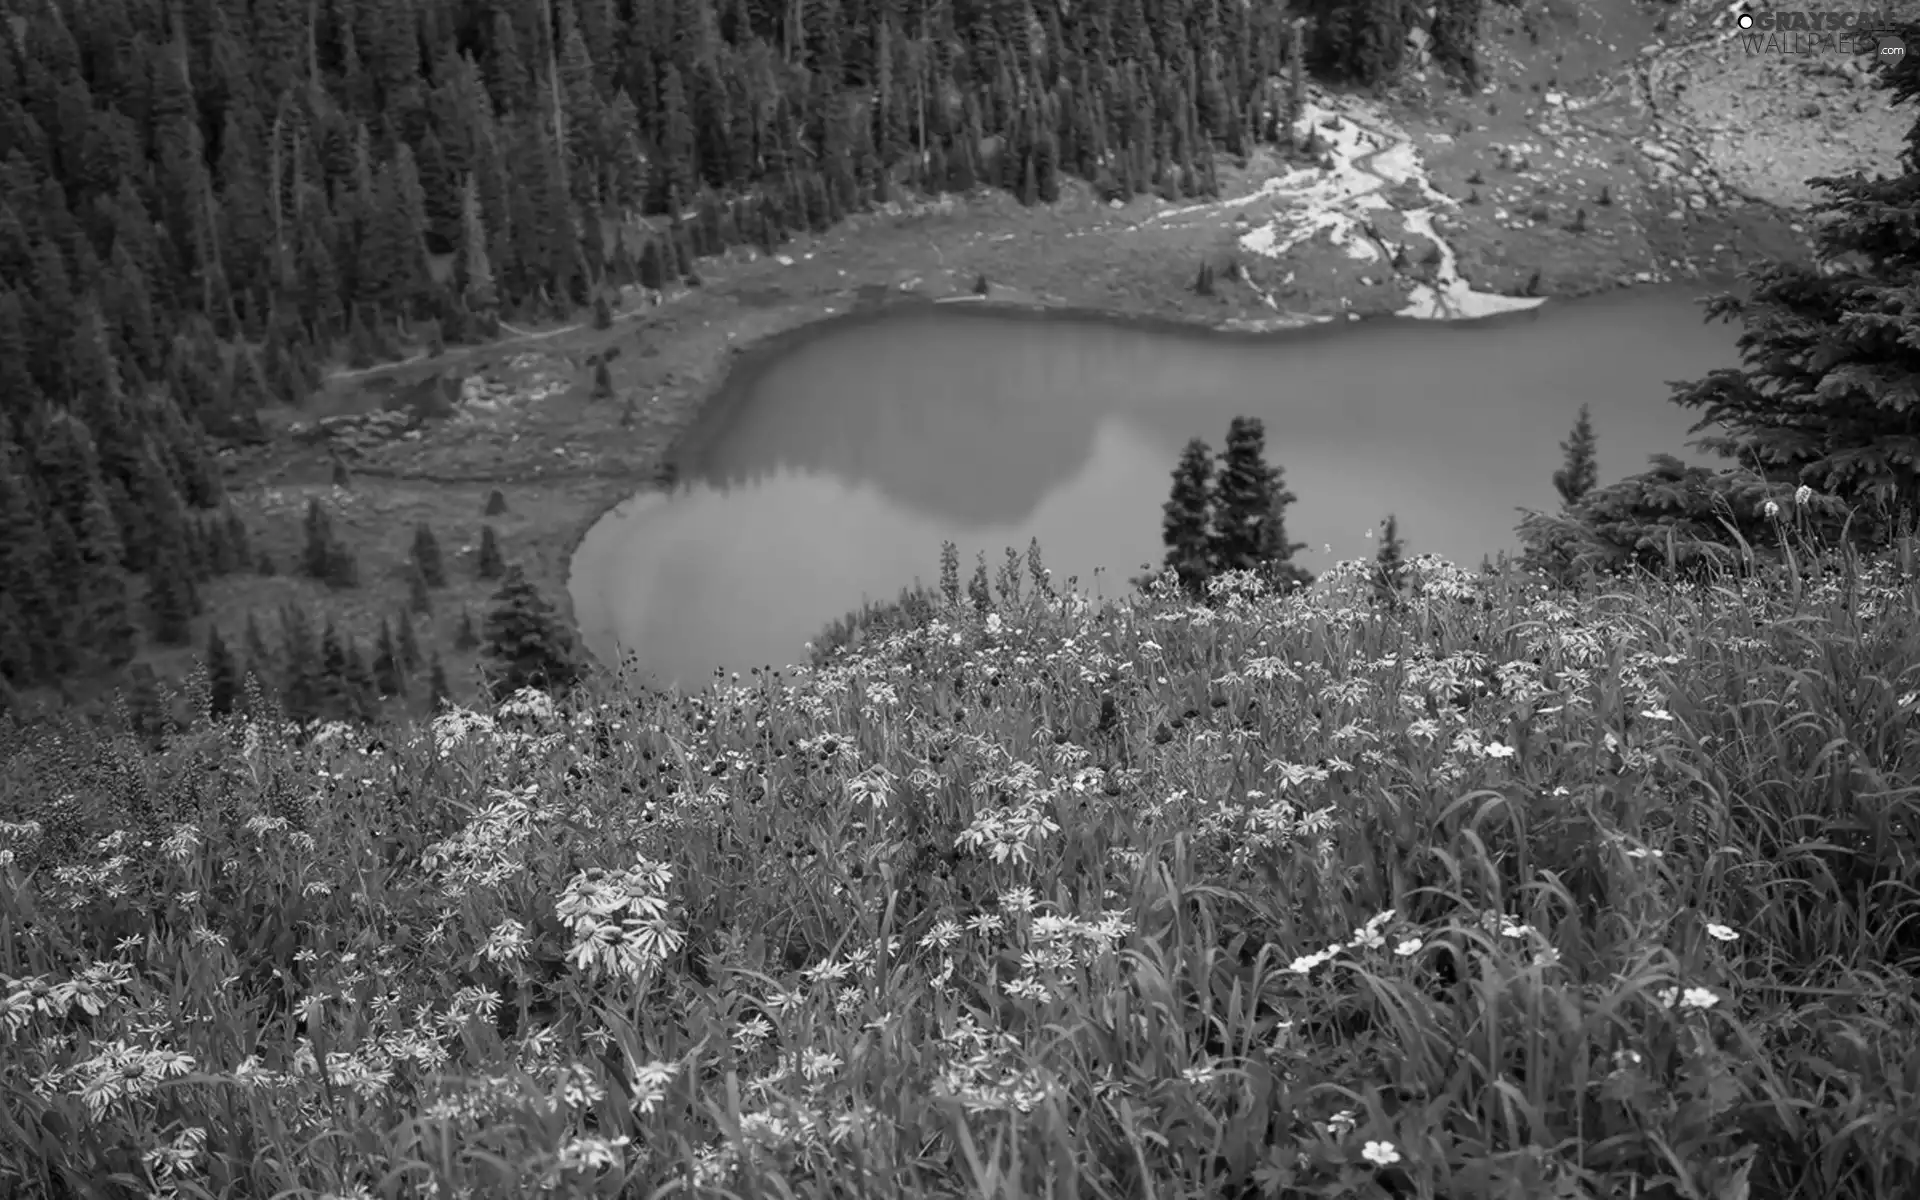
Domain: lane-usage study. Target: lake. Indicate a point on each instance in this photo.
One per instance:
(839, 462)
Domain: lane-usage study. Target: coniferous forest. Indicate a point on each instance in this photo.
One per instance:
(205, 202)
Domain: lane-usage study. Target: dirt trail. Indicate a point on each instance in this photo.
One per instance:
(454, 354)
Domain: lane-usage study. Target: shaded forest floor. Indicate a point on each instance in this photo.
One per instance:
(1563, 164)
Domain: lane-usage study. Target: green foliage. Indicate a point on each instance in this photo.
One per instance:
(1580, 468)
(1818, 421)
(527, 645)
(488, 562)
(440, 692)
(466, 637)
(1829, 387)
(1187, 526)
(407, 643)
(318, 550)
(389, 672)
(1455, 26)
(419, 597)
(1250, 501)
(224, 675)
(1389, 563)
(562, 948)
(1203, 283)
(1229, 516)
(426, 556)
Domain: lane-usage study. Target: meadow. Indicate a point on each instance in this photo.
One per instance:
(1476, 889)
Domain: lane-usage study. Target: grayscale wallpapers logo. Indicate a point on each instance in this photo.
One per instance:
(1805, 33)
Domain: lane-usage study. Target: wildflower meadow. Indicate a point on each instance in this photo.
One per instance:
(1477, 890)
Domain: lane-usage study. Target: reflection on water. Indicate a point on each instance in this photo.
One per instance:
(852, 458)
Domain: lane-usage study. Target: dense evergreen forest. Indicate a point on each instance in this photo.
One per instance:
(205, 200)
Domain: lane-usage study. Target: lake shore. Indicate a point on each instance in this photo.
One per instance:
(562, 456)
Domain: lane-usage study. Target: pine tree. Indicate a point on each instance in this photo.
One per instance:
(426, 556)
(26, 577)
(360, 695)
(1243, 498)
(317, 557)
(223, 675)
(389, 676)
(1187, 528)
(260, 659)
(1276, 552)
(1580, 471)
(1389, 562)
(1824, 396)
(496, 503)
(1250, 501)
(419, 598)
(491, 565)
(527, 645)
(343, 569)
(408, 644)
(465, 638)
(653, 275)
(475, 266)
(332, 686)
(302, 689)
(171, 601)
(441, 693)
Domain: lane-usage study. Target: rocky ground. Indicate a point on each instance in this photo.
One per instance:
(1611, 142)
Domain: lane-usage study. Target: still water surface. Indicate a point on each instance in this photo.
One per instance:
(849, 458)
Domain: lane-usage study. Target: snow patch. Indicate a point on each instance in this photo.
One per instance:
(1366, 153)
(1449, 297)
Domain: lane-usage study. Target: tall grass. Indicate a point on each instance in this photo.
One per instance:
(1500, 893)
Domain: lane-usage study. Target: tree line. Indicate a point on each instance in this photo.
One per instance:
(202, 202)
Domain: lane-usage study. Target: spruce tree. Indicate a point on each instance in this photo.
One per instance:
(652, 272)
(419, 599)
(1580, 470)
(1242, 496)
(1389, 562)
(333, 688)
(223, 675)
(1825, 393)
(343, 569)
(527, 644)
(104, 620)
(360, 695)
(491, 565)
(407, 643)
(317, 557)
(440, 694)
(302, 690)
(171, 598)
(1276, 552)
(426, 555)
(1187, 527)
(465, 638)
(26, 577)
(389, 675)
(259, 658)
